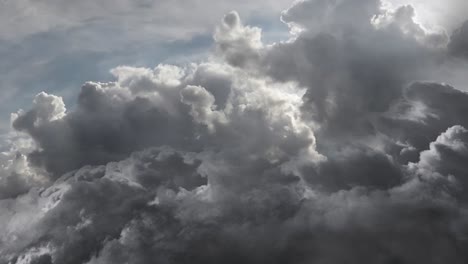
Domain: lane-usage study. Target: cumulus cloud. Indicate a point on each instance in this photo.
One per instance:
(434, 15)
(333, 146)
(237, 43)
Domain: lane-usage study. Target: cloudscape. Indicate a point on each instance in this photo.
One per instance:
(336, 134)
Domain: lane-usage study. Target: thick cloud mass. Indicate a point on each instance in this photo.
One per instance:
(335, 146)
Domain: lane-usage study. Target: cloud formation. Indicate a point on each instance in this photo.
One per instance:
(333, 146)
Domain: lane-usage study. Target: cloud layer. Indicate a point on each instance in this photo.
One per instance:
(334, 146)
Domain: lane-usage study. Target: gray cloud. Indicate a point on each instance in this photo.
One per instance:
(165, 106)
(331, 147)
(458, 45)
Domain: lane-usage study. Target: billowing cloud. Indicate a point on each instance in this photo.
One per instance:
(333, 146)
(434, 15)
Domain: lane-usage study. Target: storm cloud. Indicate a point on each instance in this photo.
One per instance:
(334, 146)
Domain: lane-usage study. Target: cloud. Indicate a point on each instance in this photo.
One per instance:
(434, 15)
(165, 106)
(236, 42)
(330, 147)
(458, 45)
(330, 15)
(445, 160)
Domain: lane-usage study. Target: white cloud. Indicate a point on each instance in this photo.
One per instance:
(435, 15)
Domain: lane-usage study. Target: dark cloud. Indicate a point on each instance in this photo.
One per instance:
(458, 45)
(106, 215)
(423, 113)
(102, 129)
(331, 147)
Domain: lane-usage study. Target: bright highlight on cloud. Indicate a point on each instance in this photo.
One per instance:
(339, 145)
(434, 15)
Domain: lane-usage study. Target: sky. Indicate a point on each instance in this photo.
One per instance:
(189, 131)
(58, 45)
